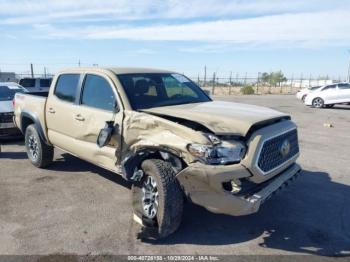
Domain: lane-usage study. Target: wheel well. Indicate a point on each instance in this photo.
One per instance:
(25, 122)
(133, 162)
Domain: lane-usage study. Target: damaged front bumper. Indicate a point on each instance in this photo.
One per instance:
(203, 184)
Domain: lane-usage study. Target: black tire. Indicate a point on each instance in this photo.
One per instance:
(318, 102)
(39, 153)
(170, 199)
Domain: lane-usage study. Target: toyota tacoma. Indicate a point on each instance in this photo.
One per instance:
(165, 135)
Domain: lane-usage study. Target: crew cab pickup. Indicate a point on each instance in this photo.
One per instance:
(165, 135)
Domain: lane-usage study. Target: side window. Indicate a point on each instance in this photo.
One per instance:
(98, 93)
(66, 87)
(330, 87)
(178, 88)
(344, 86)
(27, 82)
(45, 82)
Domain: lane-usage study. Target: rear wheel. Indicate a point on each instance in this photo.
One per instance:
(157, 199)
(39, 153)
(318, 102)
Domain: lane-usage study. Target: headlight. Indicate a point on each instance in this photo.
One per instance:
(217, 154)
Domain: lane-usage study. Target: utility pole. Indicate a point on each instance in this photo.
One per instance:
(44, 71)
(348, 79)
(79, 63)
(32, 70)
(213, 89)
(205, 75)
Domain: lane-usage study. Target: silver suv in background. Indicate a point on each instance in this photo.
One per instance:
(7, 93)
(36, 85)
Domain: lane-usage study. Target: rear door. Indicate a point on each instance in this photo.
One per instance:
(97, 103)
(343, 92)
(330, 94)
(60, 111)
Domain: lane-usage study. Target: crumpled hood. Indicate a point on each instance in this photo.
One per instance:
(221, 117)
(6, 106)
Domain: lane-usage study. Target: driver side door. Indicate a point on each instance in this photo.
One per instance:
(98, 104)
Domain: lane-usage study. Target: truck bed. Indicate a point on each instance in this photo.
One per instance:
(33, 103)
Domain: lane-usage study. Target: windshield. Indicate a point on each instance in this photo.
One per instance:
(160, 89)
(7, 93)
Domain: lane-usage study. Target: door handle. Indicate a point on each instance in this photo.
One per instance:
(79, 117)
(51, 110)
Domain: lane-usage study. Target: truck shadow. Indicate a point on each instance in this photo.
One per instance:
(13, 155)
(68, 163)
(311, 216)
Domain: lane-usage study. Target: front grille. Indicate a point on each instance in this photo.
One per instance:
(6, 117)
(272, 154)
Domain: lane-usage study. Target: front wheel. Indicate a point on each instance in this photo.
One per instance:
(158, 199)
(318, 102)
(39, 153)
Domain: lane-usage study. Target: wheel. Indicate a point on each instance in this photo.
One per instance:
(318, 102)
(39, 153)
(329, 106)
(303, 98)
(158, 199)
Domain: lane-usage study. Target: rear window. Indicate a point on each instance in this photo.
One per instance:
(45, 82)
(7, 93)
(66, 87)
(27, 82)
(344, 86)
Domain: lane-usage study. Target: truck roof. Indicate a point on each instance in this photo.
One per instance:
(116, 70)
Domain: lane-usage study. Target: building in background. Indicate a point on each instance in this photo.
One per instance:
(8, 77)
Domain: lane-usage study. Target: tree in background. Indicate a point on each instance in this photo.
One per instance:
(273, 78)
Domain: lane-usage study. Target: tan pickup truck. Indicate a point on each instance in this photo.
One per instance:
(165, 135)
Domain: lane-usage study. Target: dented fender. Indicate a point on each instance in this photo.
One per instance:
(143, 130)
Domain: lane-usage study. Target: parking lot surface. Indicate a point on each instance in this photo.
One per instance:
(74, 207)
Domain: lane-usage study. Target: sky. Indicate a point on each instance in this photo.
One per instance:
(300, 37)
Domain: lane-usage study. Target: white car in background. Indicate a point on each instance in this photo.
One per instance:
(302, 93)
(7, 93)
(329, 95)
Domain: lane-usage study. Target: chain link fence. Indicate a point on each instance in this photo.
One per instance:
(234, 86)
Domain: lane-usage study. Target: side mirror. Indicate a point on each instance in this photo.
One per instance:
(105, 134)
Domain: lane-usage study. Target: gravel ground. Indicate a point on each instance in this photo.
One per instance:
(74, 207)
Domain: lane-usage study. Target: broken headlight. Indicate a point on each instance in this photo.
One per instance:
(223, 153)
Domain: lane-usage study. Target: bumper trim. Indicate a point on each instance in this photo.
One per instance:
(223, 202)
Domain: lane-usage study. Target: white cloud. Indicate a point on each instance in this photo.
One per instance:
(145, 51)
(56, 11)
(304, 29)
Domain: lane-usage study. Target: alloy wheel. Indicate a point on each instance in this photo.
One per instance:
(150, 197)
